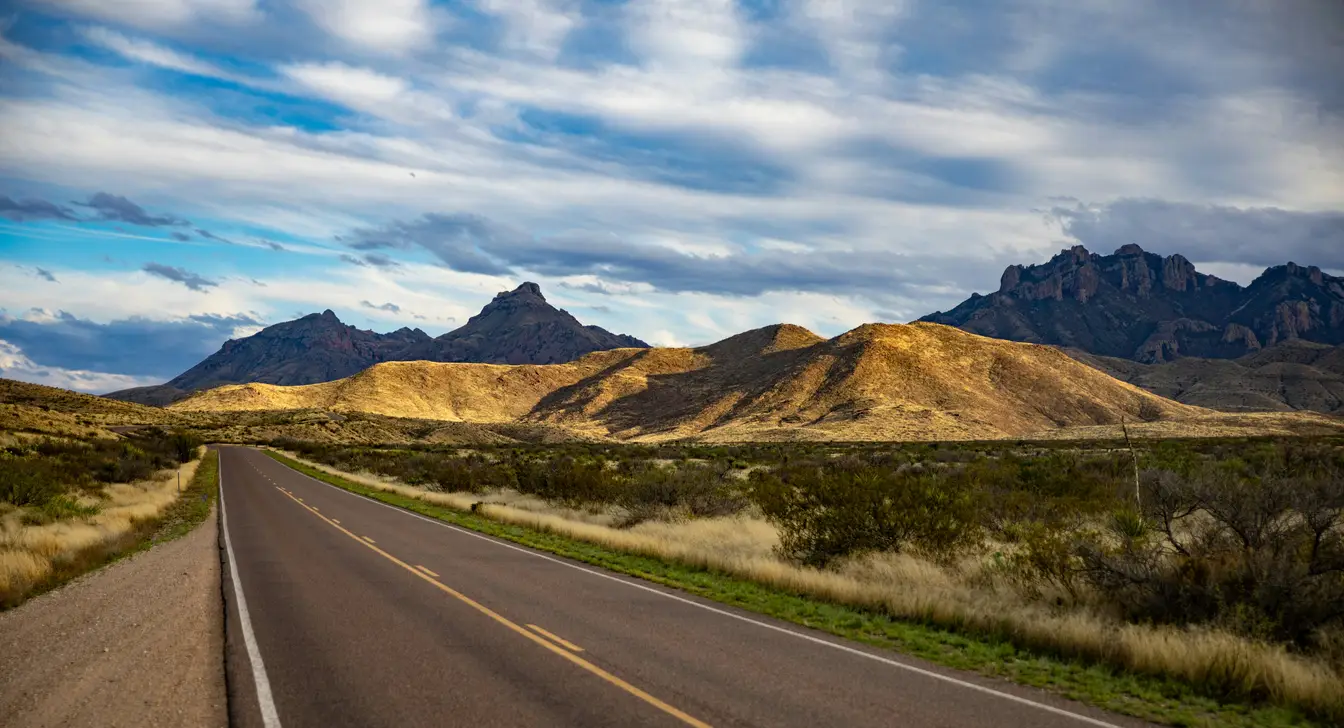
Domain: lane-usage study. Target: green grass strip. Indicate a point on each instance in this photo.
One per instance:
(176, 521)
(189, 510)
(1143, 696)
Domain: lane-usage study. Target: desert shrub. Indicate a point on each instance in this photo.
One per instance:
(1044, 557)
(701, 491)
(184, 446)
(34, 474)
(1254, 545)
(57, 508)
(574, 481)
(28, 482)
(826, 513)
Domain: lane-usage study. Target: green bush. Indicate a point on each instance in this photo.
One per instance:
(34, 474)
(826, 513)
(1253, 544)
(28, 482)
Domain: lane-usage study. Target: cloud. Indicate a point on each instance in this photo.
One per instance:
(144, 51)
(378, 260)
(117, 208)
(456, 240)
(388, 26)
(389, 307)
(1260, 236)
(695, 157)
(272, 245)
(159, 14)
(535, 26)
(179, 236)
(475, 244)
(191, 280)
(26, 210)
(350, 85)
(211, 236)
(15, 365)
(136, 347)
(46, 274)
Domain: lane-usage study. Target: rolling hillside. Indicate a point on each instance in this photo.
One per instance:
(877, 382)
(1291, 376)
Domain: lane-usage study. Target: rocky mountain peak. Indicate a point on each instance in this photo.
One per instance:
(527, 294)
(1138, 305)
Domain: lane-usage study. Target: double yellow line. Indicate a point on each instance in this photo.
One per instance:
(567, 651)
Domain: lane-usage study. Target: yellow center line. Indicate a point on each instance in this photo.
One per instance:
(334, 521)
(586, 665)
(558, 640)
(366, 538)
(427, 571)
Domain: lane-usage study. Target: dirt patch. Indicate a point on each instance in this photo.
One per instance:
(140, 643)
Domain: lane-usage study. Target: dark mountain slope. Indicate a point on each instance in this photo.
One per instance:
(517, 327)
(1140, 306)
(520, 327)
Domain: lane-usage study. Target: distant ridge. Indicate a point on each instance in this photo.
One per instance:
(878, 382)
(1293, 375)
(517, 327)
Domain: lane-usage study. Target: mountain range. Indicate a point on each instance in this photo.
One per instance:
(1147, 308)
(1274, 345)
(781, 383)
(1152, 321)
(517, 327)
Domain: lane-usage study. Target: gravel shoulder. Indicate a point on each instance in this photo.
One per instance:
(139, 643)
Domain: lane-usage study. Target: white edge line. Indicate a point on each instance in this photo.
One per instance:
(844, 648)
(269, 717)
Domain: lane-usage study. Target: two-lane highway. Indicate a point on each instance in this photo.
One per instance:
(342, 611)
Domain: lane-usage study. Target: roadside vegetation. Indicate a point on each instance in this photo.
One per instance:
(70, 505)
(1205, 571)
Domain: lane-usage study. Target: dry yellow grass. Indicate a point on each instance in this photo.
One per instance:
(30, 553)
(64, 407)
(877, 382)
(428, 390)
(907, 587)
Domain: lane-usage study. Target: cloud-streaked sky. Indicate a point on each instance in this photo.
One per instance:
(177, 172)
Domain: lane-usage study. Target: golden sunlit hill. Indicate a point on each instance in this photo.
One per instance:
(39, 409)
(919, 381)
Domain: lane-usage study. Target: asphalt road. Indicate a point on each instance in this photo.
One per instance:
(360, 614)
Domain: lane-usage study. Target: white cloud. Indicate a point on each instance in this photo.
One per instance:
(388, 26)
(686, 35)
(847, 142)
(854, 32)
(144, 51)
(358, 87)
(536, 26)
(107, 296)
(158, 14)
(14, 365)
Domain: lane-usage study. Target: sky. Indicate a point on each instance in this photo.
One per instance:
(175, 173)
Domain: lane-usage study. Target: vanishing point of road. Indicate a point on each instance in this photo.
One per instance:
(342, 611)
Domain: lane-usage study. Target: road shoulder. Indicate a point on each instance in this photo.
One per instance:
(138, 643)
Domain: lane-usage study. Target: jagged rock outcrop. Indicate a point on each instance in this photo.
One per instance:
(1148, 308)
